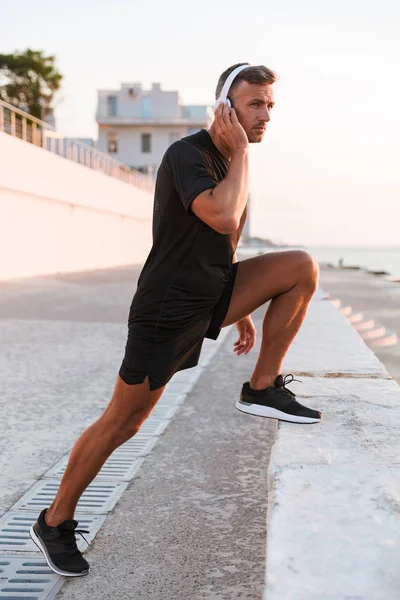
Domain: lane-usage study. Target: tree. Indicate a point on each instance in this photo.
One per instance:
(31, 81)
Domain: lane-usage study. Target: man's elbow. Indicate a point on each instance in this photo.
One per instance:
(227, 225)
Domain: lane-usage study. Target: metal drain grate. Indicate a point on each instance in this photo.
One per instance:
(98, 498)
(154, 426)
(140, 445)
(27, 578)
(171, 399)
(164, 411)
(14, 531)
(178, 387)
(187, 376)
(121, 465)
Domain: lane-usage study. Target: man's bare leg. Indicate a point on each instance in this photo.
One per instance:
(128, 409)
(282, 322)
(289, 279)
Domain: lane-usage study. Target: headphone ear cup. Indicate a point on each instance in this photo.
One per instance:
(229, 103)
(217, 103)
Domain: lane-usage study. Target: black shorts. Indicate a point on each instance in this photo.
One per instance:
(173, 350)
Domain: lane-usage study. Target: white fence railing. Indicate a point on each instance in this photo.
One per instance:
(22, 125)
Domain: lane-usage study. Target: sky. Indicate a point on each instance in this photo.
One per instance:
(327, 171)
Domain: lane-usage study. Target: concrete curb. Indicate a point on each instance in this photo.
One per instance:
(333, 511)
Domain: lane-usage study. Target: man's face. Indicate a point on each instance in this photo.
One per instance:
(253, 104)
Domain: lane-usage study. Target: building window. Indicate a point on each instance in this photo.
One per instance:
(112, 143)
(112, 106)
(146, 107)
(146, 142)
(173, 137)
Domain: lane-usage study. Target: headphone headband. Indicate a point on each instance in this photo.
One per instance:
(226, 87)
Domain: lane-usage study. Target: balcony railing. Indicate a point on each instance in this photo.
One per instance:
(22, 125)
(188, 116)
(154, 121)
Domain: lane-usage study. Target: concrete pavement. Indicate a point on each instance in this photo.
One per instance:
(192, 524)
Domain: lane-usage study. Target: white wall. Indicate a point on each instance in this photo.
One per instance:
(58, 216)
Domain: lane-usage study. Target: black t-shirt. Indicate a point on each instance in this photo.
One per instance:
(186, 253)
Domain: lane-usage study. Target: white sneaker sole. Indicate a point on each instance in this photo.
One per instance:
(52, 566)
(272, 413)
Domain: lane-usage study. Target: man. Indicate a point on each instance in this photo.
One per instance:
(190, 287)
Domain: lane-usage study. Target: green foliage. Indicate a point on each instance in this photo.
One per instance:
(31, 81)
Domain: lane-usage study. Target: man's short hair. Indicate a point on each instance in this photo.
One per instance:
(258, 74)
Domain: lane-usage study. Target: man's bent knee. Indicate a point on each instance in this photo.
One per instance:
(309, 268)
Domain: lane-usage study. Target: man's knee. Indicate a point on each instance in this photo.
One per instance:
(118, 431)
(128, 409)
(308, 268)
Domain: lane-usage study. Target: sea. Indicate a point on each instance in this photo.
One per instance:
(371, 258)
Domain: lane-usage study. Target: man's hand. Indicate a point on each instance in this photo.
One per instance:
(247, 336)
(229, 130)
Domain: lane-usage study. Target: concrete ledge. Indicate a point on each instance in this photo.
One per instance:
(334, 495)
(328, 345)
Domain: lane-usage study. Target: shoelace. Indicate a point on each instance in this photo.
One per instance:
(69, 537)
(285, 383)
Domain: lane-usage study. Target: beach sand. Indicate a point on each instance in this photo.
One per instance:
(376, 298)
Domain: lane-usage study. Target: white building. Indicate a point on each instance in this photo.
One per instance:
(137, 126)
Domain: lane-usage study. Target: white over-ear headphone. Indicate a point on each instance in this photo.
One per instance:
(226, 87)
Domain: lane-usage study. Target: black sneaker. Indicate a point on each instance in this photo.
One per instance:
(58, 545)
(276, 402)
